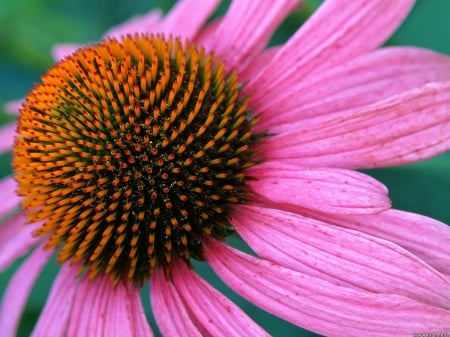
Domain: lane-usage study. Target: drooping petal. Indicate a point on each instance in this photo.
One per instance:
(425, 237)
(138, 318)
(186, 18)
(7, 135)
(101, 308)
(83, 306)
(170, 312)
(318, 305)
(137, 24)
(246, 29)
(10, 200)
(339, 255)
(326, 190)
(214, 314)
(18, 290)
(335, 33)
(362, 81)
(55, 316)
(405, 128)
(16, 239)
(126, 311)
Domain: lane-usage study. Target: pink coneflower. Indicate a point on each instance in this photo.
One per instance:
(145, 151)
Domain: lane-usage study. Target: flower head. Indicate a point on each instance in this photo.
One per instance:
(130, 152)
(145, 151)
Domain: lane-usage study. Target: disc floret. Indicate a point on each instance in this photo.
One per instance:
(130, 152)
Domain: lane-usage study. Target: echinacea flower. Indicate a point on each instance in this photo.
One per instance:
(145, 151)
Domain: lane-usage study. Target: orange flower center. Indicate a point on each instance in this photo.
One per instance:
(131, 152)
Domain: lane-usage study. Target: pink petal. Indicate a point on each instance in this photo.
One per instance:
(54, 318)
(339, 255)
(126, 303)
(187, 17)
(320, 306)
(62, 50)
(10, 200)
(404, 128)
(84, 305)
(7, 135)
(138, 24)
(176, 23)
(326, 190)
(18, 290)
(103, 309)
(138, 317)
(425, 237)
(13, 107)
(170, 312)
(257, 63)
(214, 314)
(362, 81)
(207, 31)
(246, 29)
(334, 34)
(16, 239)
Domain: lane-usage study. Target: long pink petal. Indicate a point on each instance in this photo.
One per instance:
(246, 29)
(8, 196)
(404, 128)
(186, 18)
(91, 308)
(337, 32)
(18, 290)
(137, 24)
(425, 237)
(326, 190)
(176, 23)
(83, 306)
(7, 136)
(124, 311)
(257, 63)
(340, 255)
(215, 314)
(16, 239)
(54, 318)
(320, 306)
(138, 318)
(103, 309)
(170, 312)
(362, 81)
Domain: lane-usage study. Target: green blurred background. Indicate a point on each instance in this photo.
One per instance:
(29, 28)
